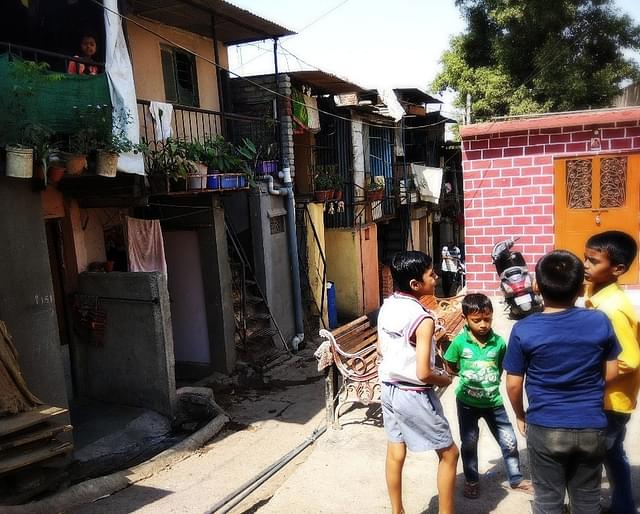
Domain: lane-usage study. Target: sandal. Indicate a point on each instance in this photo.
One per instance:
(471, 490)
(524, 487)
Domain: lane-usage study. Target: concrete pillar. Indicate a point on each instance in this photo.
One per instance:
(218, 290)
(26, 292)
(271, 257)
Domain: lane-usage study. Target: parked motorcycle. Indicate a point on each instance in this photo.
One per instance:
(515, 281)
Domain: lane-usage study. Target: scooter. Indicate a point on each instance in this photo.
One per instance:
(515, 281)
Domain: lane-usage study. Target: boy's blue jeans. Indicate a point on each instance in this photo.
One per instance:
(566, 460)
(500, 426)
(617, 464)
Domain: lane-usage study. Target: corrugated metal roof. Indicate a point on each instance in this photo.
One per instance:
(233, 25)
(415, 96)
(324, 83)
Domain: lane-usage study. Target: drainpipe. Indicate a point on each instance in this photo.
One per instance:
(292, 241)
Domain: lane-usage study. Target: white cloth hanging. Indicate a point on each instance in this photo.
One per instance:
(121, 87)
(312, 112)
(161, 113)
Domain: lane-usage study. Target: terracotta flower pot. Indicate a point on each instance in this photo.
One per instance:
(76, 163)
(56, 172)
(375, 196)
(323, 196)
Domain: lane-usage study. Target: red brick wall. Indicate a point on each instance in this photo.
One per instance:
(509, 190)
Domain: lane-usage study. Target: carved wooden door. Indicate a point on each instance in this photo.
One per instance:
(594, 194)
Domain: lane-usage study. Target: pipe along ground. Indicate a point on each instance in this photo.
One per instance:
(231, 500)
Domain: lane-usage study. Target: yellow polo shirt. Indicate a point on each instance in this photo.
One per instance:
(621, 394)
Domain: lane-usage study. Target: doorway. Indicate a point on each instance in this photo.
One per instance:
(594, 194)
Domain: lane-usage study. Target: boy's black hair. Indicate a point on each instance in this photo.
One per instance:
(560, 275)
(407, 266)
(619, 247)
(476, 302)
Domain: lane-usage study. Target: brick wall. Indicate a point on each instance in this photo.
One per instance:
(509, 189)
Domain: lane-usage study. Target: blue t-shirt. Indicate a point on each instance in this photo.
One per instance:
(562, 356)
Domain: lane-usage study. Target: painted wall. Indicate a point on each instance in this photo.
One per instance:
(188, 314)
(509, 184)
(147, 65)
(88, 232)
(352, 263)
(316, 266)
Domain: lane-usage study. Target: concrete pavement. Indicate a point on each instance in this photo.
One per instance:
(342, 472)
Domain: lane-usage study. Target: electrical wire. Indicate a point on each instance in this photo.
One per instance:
(322, 16)
(260, 86)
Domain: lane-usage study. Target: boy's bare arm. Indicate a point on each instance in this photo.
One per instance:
(424, 371)
(515, 389)
(611, 369)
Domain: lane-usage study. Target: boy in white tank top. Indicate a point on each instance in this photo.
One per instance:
(412, 413)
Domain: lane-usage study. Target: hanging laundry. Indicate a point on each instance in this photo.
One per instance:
(161, 113)
(312, 113)
(299, 108)
(145, 245)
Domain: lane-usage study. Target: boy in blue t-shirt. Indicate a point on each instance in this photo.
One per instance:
(476, 354)
(566, 354)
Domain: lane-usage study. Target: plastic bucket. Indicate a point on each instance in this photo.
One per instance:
(19, 162)
(332, 306)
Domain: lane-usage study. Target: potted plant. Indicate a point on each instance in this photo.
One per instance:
(19, 133)
(375, 191)
(267, 159)
(80, 143)
(338, 184)
(111, 140)
(323, 186)
(166, 165)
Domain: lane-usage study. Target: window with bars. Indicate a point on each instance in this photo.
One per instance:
(180, 79)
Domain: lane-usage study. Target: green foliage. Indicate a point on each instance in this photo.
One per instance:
(528, 56)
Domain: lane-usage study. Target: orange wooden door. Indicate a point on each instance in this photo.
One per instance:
(594, 194)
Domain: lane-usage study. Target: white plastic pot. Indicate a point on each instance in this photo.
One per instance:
(107, 163)
(19, 162)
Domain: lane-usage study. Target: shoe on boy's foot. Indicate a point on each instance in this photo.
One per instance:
(525, 486)
(471, 490)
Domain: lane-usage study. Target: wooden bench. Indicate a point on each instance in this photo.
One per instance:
(353, 349)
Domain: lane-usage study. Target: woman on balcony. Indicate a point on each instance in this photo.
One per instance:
(88, 48)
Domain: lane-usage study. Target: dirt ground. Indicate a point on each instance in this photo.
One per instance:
(342, 472)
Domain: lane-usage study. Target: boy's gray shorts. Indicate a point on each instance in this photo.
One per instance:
(414, 418)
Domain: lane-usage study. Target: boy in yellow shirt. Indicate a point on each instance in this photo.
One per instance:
(607, 256)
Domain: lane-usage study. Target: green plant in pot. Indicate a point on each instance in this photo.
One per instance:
(111, 139)
(338, 185)
(79, 144)
(375, 190)
(248, 152)
(323, 185)
(166, 164)
(19, 131)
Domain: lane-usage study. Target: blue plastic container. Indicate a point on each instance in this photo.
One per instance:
(332, 306)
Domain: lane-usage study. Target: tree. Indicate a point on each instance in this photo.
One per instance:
(528, 56)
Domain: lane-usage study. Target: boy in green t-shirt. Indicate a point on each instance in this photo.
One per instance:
(476, 354)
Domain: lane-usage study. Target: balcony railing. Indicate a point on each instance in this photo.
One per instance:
(195, 124)
(56, 61)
